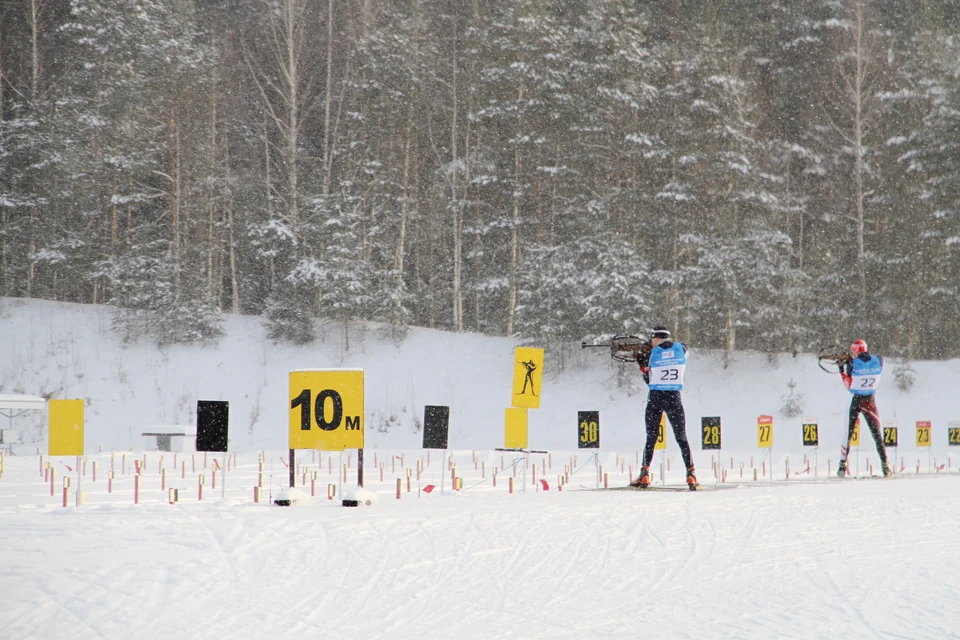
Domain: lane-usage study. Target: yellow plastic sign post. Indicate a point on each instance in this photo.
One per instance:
(515, 428)
(527, 376)
(326, 409)
(855, 438)
(923, 433)
(661, 433)
(765, 432)
(66, 428)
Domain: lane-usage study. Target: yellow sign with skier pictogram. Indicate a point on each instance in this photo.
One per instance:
(527, 376)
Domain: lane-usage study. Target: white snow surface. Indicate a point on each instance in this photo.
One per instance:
(804, 556)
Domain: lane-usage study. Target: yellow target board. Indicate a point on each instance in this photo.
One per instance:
(515, 431)
(66, 428)
(661, 434)
(527, 376)
(765, 432)
(326, 409)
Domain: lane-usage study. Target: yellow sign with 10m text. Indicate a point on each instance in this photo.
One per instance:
(326, 409)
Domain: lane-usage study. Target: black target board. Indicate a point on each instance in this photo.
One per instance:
(588, 429)
(213, 420)
(710, 432)
(436, 426)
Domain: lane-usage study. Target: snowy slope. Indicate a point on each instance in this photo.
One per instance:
(808, 557)
(68, 351)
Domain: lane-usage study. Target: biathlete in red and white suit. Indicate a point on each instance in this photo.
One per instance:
(861, 377)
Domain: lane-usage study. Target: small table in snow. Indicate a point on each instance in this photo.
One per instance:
(163, 439)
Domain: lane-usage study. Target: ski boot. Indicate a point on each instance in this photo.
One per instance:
(692, 483)
(886, 469)
(842, 469)
(643, 480)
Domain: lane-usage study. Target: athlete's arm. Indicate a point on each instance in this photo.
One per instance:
(643, 359)
(846, 374)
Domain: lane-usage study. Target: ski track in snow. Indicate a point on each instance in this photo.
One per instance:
(793, 560)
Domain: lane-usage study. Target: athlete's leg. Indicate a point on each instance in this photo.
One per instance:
(678, 420)
(851, 425)
(652, 417)
(869, 408)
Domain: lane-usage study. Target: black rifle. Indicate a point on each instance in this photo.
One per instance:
(623, 348)
(836, 354)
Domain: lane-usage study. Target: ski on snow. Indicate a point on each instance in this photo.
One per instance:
(661, 487)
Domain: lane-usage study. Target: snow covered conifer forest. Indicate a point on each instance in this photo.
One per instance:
(771, 176)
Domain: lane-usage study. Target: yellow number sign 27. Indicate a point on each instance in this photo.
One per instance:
(765, 432)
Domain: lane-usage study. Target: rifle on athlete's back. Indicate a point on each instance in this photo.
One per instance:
(623, 348)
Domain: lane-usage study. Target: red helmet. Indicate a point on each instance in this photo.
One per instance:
(858, 347)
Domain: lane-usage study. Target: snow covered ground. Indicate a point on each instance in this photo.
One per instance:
(806, 557)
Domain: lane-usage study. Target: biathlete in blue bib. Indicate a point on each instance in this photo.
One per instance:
(662, 370)
(861, 376)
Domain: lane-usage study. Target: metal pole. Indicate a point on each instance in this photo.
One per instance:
(443, 470)
(292, 469)
(360, 467)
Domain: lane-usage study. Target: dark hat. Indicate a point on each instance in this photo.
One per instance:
(660, 332)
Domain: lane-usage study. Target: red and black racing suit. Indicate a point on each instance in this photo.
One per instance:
(867, 405)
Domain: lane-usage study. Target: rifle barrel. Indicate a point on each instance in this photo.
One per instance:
(584, 345)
